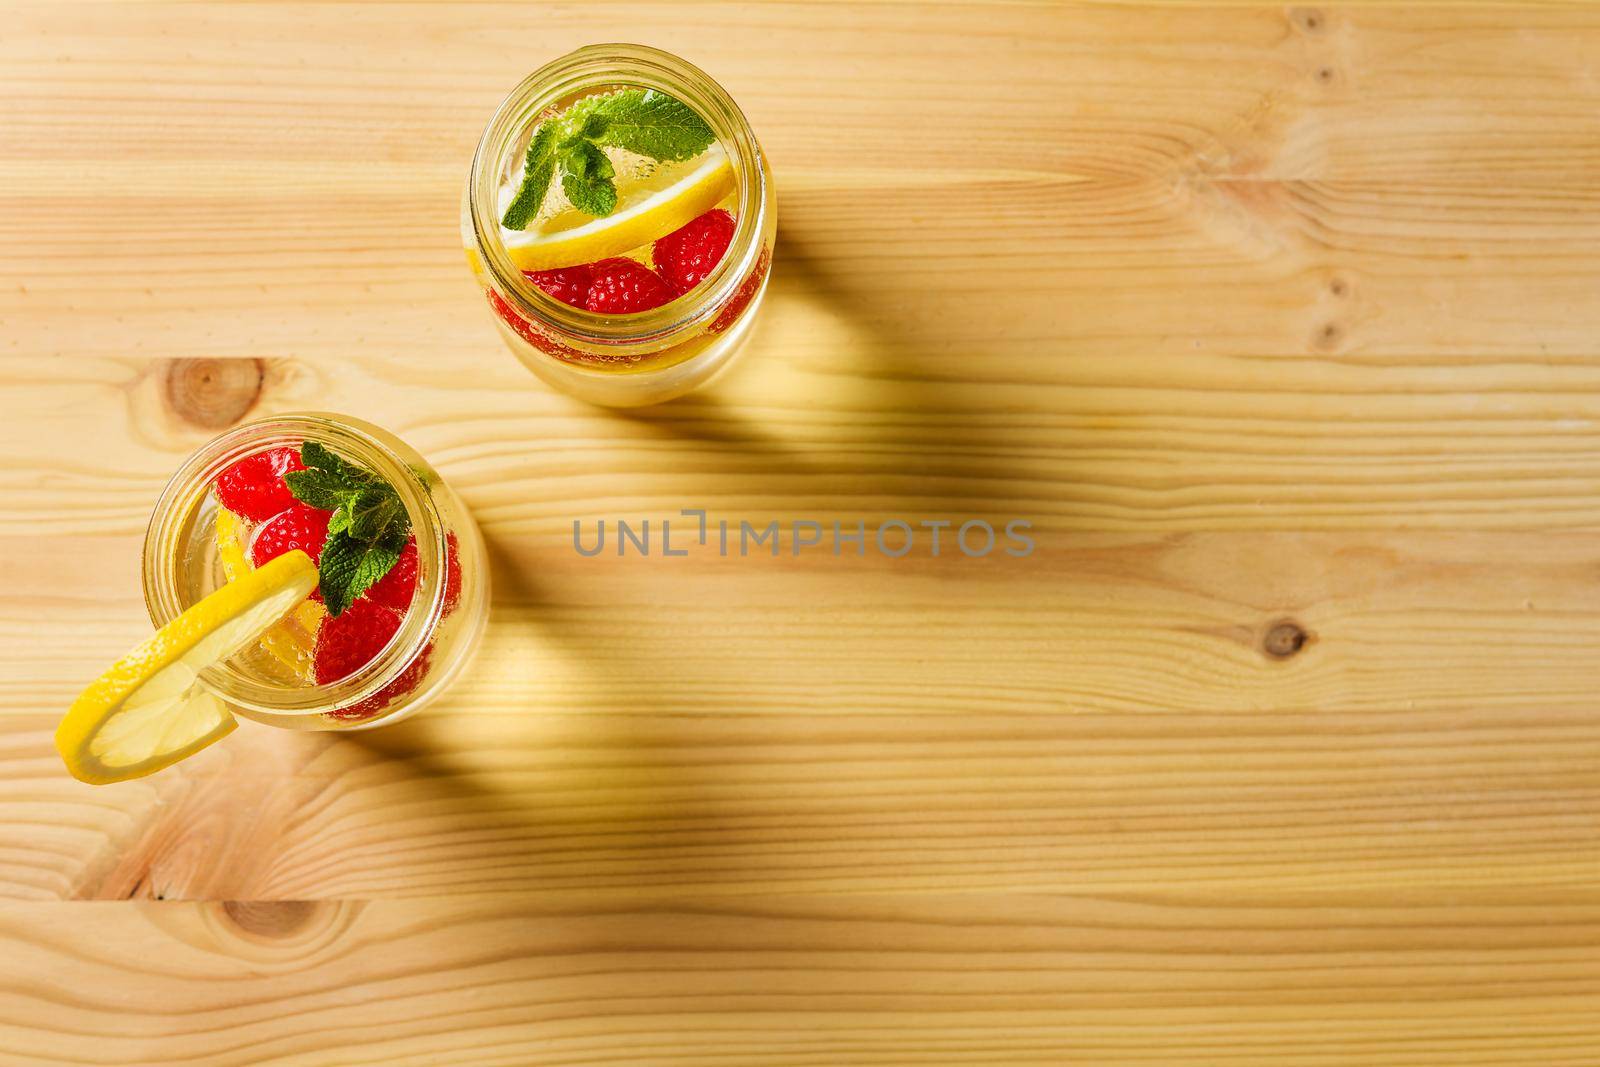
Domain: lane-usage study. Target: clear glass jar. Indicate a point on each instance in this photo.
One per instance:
(622, 360)
(440, 629)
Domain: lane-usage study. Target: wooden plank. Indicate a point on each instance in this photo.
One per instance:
(1241, 444)
(1107, 623)
(1248, 805)
(947, 979)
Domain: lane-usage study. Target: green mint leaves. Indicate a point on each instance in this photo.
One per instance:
(374, 511)
(586, 179)
(350, 567)
(368, 528)
(539, 169)
(643, 121)
(656, 125)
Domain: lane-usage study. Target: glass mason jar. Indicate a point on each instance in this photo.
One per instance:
(655, 355)
(182, 563)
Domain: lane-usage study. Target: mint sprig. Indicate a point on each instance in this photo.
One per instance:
(538, 169)
(586, 176)
(351, 566)
(366, 532)
(646, 122)
(654, 124)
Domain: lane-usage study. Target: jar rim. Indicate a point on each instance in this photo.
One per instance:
(618, 64)
(176, 509)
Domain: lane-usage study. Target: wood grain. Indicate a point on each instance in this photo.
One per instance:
(948, 979)
(1278, 323)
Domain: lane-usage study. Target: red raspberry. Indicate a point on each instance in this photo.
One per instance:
(349, 642)
(394, 590)
(686, 255)
(404, 683)
(513, 318)
(452, 574)
(254, 486)
(625, 287)
(570, 285)
(302, 527)
(742, 296)
(527, 331)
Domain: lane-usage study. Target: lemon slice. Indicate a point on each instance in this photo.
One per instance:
(293, 642)
(647, 207)
(149, 711)
(233, 545)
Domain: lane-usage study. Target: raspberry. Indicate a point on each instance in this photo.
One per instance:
(570, 285)
(254, 487)
(742, 296)
(625, 287)
(349, 642)
(686, 255)
(452, 573)
(405, 682)
(527, 331)
(394, 589)
(301, 526)
(513, 318)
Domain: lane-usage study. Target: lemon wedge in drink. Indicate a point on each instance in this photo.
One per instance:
(649, 205)
(293, 642)
(232, 546)
(148, 710)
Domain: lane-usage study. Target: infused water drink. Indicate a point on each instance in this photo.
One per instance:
(401, 596)
(619, 216)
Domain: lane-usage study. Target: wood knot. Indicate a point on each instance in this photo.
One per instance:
(1328, 337)
(1326, 75)
(269, 918)
(1308, 20)
(1338, 287)
(213, 394)
(1284, 638)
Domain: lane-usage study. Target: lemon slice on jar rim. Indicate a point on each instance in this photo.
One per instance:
(149, 710)
(648, 207)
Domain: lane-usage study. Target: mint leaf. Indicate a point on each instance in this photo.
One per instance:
(586, 179)
(319, 457)
(653, 124)
(320, 488)
(367, 529)
(588, 129)
(643, 121)
(538, 168)
(350, 566)
(374, 512)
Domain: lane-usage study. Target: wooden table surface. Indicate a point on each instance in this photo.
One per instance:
(1282, 327)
